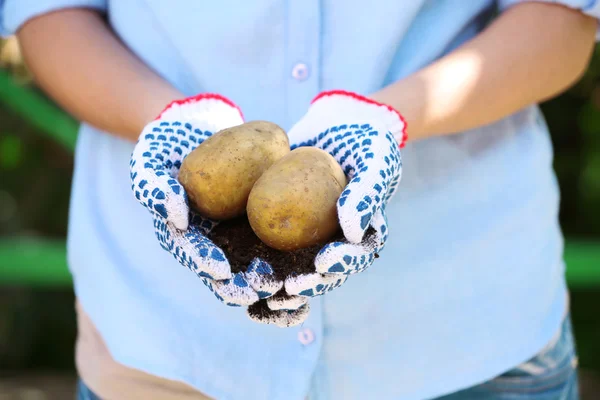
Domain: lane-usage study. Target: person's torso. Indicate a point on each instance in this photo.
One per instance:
(470, 280)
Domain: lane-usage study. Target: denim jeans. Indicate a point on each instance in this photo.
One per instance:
(84, 393)
(550, 375)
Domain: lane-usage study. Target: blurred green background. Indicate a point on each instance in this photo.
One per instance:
(37, 326)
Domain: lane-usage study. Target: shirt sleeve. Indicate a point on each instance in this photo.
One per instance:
(589, 7)
(14, 13)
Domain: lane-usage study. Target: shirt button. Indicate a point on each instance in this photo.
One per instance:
(306, 336)
(300, 72)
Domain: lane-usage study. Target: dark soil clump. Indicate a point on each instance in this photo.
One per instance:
(241, 245)
(260, 310)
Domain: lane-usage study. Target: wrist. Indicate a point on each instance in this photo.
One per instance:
(151, 108)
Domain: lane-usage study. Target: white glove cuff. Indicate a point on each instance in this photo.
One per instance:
(217, 110)
(338, 106)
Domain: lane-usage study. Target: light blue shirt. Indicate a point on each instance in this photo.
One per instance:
(472, 278)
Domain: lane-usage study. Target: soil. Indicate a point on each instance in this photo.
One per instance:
(241, 245)
(260, 310)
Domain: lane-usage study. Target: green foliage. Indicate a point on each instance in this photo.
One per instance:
(574, 121)
(10, 152)
(35, 178)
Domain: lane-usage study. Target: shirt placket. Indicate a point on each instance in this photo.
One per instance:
(303, 45)
(302, 84)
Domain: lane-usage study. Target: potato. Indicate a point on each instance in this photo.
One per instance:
(219, 174)
(294, 203)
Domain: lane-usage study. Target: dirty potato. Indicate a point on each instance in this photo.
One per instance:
(293, 204)
(219, 174)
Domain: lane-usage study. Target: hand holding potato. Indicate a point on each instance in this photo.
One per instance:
(363, 136)
(154, 168)
(155, 165)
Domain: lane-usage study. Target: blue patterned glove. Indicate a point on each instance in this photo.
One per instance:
(154, 168)
(363, 136)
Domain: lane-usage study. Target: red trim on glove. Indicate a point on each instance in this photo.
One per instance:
(199, 97)
(364, 99)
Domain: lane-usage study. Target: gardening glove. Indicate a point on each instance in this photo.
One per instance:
(365, 138)
(154, 168)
